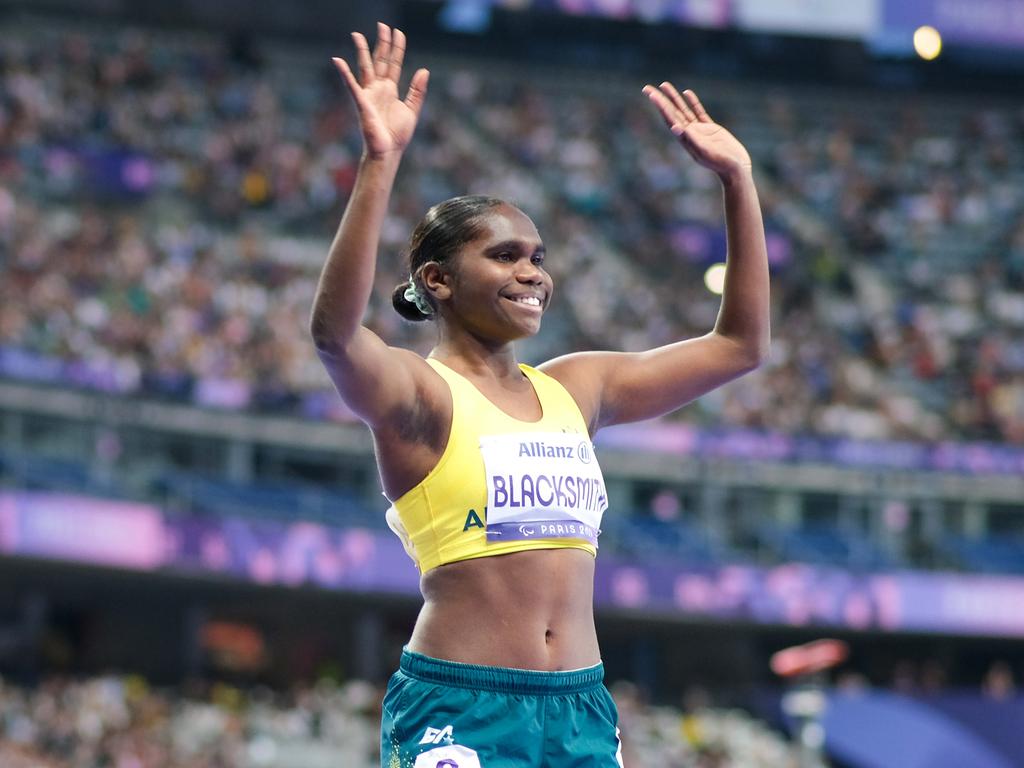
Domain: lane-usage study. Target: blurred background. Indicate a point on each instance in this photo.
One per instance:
(194, 566)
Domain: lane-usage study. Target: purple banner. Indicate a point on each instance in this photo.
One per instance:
(685, 440)
(80, 529)
(143, 537)
(804, 595)
(978, 22)
(999, 22)
(25, 365)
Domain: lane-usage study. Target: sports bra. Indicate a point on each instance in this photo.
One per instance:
(504, 485)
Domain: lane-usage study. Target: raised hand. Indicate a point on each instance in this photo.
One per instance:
(386, 120)
(707, 142)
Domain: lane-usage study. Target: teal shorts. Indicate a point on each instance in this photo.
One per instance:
(441, 714)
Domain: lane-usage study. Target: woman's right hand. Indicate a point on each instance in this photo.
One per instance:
(387, 122)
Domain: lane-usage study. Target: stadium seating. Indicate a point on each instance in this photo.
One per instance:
(204, 182)
(119, 721)
(278, 500)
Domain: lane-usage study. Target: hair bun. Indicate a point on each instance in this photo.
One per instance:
(407, 309)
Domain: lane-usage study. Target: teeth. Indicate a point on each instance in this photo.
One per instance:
(533, 301)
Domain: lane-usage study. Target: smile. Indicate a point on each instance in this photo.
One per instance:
(527, 301)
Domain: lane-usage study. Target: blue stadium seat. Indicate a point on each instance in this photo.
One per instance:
(281, 500)
(986, 555)
(48, 473)
(823, 545)
(644, 536)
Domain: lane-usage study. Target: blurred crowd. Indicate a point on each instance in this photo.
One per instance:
(166, 204)
(122, 722)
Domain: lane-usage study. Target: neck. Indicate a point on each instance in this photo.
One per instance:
(466, 353)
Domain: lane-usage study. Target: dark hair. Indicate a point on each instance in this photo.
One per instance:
(438, 237)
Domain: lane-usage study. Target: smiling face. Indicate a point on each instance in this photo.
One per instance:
(499, 288)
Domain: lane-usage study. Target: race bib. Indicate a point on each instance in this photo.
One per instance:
(542, 485)
(454, 756)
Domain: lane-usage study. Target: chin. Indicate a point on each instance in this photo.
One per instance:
(530, 332)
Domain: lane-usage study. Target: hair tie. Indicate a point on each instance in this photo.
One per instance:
(414, 295)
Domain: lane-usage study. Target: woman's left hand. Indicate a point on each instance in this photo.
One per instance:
(708, 143)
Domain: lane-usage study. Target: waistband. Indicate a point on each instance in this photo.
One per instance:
(529, 682)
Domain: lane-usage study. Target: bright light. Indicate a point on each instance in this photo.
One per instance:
(714, 278)
(927, 42)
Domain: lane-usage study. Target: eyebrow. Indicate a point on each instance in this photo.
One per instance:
(514, 245)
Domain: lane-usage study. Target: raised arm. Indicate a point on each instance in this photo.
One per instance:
(371, 377)
(614, 388)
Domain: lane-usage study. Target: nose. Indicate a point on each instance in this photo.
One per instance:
(529, 273)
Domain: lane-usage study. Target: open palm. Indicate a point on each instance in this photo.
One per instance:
(708, 143)
(387, 121)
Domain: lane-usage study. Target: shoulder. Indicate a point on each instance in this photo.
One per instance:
(579, 370)
(582, 375)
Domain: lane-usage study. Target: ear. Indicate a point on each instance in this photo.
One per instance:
(437, 280)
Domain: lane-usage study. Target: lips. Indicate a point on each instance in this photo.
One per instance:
(529, 301)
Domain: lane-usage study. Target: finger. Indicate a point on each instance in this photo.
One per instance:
(382, 53)
(346, 74)
(696, 106)
(417, 91)
(397, 55)
(665, 107)
(350, 79)
(363, 57)
(670, 90)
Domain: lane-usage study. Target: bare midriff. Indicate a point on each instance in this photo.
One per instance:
(527, 610)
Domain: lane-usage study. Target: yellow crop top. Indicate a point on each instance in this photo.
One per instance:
(443, 519)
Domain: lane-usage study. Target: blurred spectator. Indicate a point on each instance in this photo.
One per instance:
(165, 209)
(123, 723)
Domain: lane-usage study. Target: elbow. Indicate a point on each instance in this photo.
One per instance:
(322, 344)
(756, 353)
(328, 346)
(325, 336)
(760, 352)
(317, 333)
(758, 362)
(750, 361)
(748, 352)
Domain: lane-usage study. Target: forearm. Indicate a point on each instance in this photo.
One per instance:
(745, 310)
(347, 277)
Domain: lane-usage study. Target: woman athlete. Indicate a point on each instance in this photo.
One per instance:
(488, 463)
